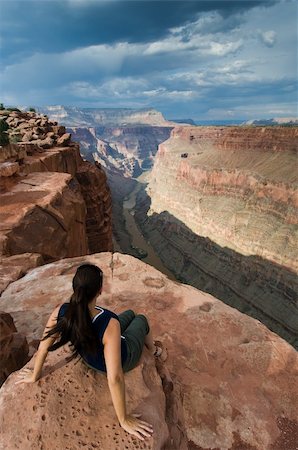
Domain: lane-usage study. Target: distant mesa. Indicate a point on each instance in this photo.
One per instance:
(184, 121)
(285, 121)
(95, 117)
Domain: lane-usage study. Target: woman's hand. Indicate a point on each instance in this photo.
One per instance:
(26, 376)
(137, 427)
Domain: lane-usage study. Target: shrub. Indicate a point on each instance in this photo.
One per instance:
(3, 133)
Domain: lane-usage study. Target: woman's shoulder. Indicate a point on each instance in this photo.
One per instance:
(105, 311)
(61, 309)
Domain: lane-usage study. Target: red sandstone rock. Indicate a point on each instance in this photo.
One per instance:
(38, 154)
(13, 347)
(70, 408)
(14, 267)
(50, 199)
(7, 169)
(228, 380)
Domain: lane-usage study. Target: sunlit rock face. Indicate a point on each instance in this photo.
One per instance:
(227, 383)
(221, 210)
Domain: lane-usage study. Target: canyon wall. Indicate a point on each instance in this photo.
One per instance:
(221, 211)
(129, 150)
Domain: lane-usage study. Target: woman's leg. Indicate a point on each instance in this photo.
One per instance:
(136, 336)
(149, 342)
(125, 319)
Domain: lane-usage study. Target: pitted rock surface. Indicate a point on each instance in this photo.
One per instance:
(70, 408)
(228, 381)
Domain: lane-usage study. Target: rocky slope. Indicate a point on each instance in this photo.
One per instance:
(221, 210)
(227, 383)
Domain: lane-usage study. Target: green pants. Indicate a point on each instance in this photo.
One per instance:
(134, 328)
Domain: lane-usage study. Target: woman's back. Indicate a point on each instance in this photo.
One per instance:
(100, 322)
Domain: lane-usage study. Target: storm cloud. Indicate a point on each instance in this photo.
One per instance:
(187, 58)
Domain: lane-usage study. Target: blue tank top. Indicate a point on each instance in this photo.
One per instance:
(99, 324)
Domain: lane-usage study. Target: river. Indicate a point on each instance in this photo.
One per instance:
(138, 240)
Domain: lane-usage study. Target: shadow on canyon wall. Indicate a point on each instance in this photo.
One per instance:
(253, 285)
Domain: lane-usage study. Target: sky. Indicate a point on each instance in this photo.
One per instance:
(204, 60)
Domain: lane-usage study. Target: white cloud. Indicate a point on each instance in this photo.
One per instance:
(268, 37)
(222, 49)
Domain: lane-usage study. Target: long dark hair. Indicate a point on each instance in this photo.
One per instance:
(76, 324)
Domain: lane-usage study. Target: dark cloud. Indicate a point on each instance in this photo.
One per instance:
(54, 26)
(194, 59)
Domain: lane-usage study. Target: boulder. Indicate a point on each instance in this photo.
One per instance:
(7, 169)
(70, 408)
(13, 347)
(53, 200)
(58, 130)
(14, 267)
(45, 143)
(27, 136)
(228, 381)
(64, 139)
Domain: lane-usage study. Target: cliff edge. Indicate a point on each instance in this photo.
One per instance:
(227, 383)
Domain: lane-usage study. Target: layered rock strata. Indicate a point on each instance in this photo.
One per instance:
(129, 150)
(98, 117)
(227, 383)
(221, 211)
(50, 184)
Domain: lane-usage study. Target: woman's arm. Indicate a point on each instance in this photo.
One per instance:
(112, 353)
(31, 377)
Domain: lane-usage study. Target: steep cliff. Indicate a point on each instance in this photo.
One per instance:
(227, 383)
(44, 180)
(221, 210)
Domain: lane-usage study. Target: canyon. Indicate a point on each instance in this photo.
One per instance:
(227, 383)
(220, 209)
(124, 142)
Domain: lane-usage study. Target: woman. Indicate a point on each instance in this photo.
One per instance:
(106, 342)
